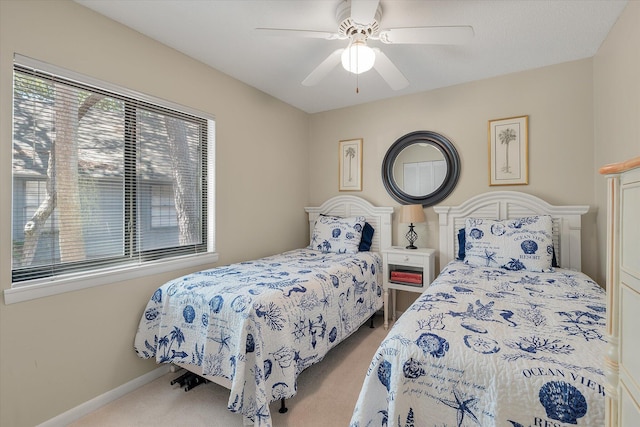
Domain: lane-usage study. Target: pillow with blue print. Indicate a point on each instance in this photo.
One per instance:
(337, 235)
(462, 241)
(515, 244)
(367, 236)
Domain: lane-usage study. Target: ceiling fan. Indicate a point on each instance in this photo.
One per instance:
(359, 21)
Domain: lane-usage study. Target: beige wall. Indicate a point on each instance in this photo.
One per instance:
(61, 351)
(558, 100)
(616, 106)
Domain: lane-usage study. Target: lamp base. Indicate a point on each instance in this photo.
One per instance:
(411, 236)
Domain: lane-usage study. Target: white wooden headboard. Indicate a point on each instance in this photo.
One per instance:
(567, 222)
(348, 205)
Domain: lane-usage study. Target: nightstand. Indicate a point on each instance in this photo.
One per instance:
(408, 265)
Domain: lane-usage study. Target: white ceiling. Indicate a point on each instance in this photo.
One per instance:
(509, 36)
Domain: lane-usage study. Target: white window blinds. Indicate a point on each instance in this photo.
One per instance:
(102, 178)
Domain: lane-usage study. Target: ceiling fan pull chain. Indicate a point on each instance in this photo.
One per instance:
(357, 70)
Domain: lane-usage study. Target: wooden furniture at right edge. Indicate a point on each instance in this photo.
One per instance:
(622, 364)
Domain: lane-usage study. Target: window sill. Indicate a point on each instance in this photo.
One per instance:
(25, 291)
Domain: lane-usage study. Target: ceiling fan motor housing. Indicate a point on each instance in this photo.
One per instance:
(347, 27)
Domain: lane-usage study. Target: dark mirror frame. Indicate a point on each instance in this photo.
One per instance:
(422, 137)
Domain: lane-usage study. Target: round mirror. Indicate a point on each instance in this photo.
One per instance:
(421, 167)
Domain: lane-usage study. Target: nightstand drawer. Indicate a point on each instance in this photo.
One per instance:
(416, 260)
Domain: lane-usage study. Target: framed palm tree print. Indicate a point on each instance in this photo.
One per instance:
(350, 165)
(508, 151)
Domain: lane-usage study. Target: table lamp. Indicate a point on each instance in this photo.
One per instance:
(411, 214)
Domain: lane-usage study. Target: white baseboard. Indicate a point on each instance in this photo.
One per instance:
(80, 411)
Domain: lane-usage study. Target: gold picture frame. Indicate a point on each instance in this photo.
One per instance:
(350, 165)
(509, 151)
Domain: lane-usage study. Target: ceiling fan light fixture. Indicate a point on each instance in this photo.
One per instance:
(358, 57)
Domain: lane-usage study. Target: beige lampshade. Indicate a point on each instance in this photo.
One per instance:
(411, 214)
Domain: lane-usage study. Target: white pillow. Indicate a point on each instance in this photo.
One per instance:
(339, 235)
(514, 244)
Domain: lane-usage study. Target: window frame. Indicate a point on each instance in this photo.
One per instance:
(65, 282)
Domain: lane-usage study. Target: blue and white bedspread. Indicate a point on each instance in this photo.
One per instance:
(258, 324)
(491, 347)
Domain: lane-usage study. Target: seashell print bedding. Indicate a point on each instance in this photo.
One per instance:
(260, 323)
(491, 347)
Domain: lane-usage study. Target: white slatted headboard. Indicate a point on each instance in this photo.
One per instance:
(567, 222)
(346, 206)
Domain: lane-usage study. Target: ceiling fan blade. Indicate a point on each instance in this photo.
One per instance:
(287, 32)
(389, 72)
(428, 35)
(323, 69)
(364, 11)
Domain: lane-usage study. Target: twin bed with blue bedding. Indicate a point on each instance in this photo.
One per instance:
(501, 337)
(488, 347)
(254, 326)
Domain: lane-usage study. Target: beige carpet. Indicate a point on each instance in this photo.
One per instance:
(327, 394)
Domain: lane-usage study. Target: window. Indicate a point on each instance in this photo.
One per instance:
(102, 176)
(163, 207)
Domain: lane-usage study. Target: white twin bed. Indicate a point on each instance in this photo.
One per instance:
(501, 339)
(254, 326)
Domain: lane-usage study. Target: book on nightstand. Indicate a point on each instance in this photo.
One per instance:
(406, 277)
